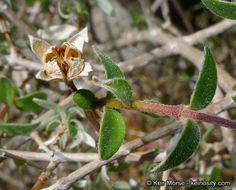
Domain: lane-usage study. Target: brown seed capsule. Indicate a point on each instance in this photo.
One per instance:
(63, 63)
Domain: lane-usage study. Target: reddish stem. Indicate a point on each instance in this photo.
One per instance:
(208, 118)
(169, 110)
(178, 112)
(4, 112)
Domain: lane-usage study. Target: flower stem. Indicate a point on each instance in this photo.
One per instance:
(177, 111)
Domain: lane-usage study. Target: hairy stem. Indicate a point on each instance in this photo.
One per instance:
(177, 111)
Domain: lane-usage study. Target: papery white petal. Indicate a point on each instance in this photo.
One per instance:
(38, 46)
(75, 69)
(78, 39)
(42, 75)
(87, 69)
(79, 84)
(57, 32)
(52, 68)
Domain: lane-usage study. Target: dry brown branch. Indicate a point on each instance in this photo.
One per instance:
(154, 37)
(45, 175)
(75, 157)
(24, 62)
(165, 177)
(204, 34)
(20, 158)
(14, 19)
(150, 20)
(223, 104)
(126, 149)
(178, 46)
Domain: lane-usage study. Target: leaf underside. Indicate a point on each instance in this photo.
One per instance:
(185, 147)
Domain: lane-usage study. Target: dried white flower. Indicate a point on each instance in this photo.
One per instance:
(62, 63)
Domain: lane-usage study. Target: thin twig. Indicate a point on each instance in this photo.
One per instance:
(165, 177)
(154, 35)
(126, 149)
(17, 157)
(15, 20)
(75, 157)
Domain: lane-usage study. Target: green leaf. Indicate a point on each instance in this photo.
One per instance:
(106, 6)
(52, 125)
(206, 85)
(221, 8)
(215, 174)
(120, 88)
(186, 145)
(112, 70)
(137, 19)
(45, 5)
(84, 98)
(7, 92)
(18, 129)
(26, 103)
(112, 133)
(75, 111)
(234, 98)
(30, 2)
(234, 87)
(72, 130)
(50, 105)
(50, 118)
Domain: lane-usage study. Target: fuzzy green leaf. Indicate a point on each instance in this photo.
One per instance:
(52, 125)
(186, 145)
(14, 129)
(84, 98)
(26, 103)
(75, 112)
(221, 8)
(112, 70)
(72, 130)
(120, 88)
(106, 6)
(7, 92)
(112, 133)
(206, 85)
